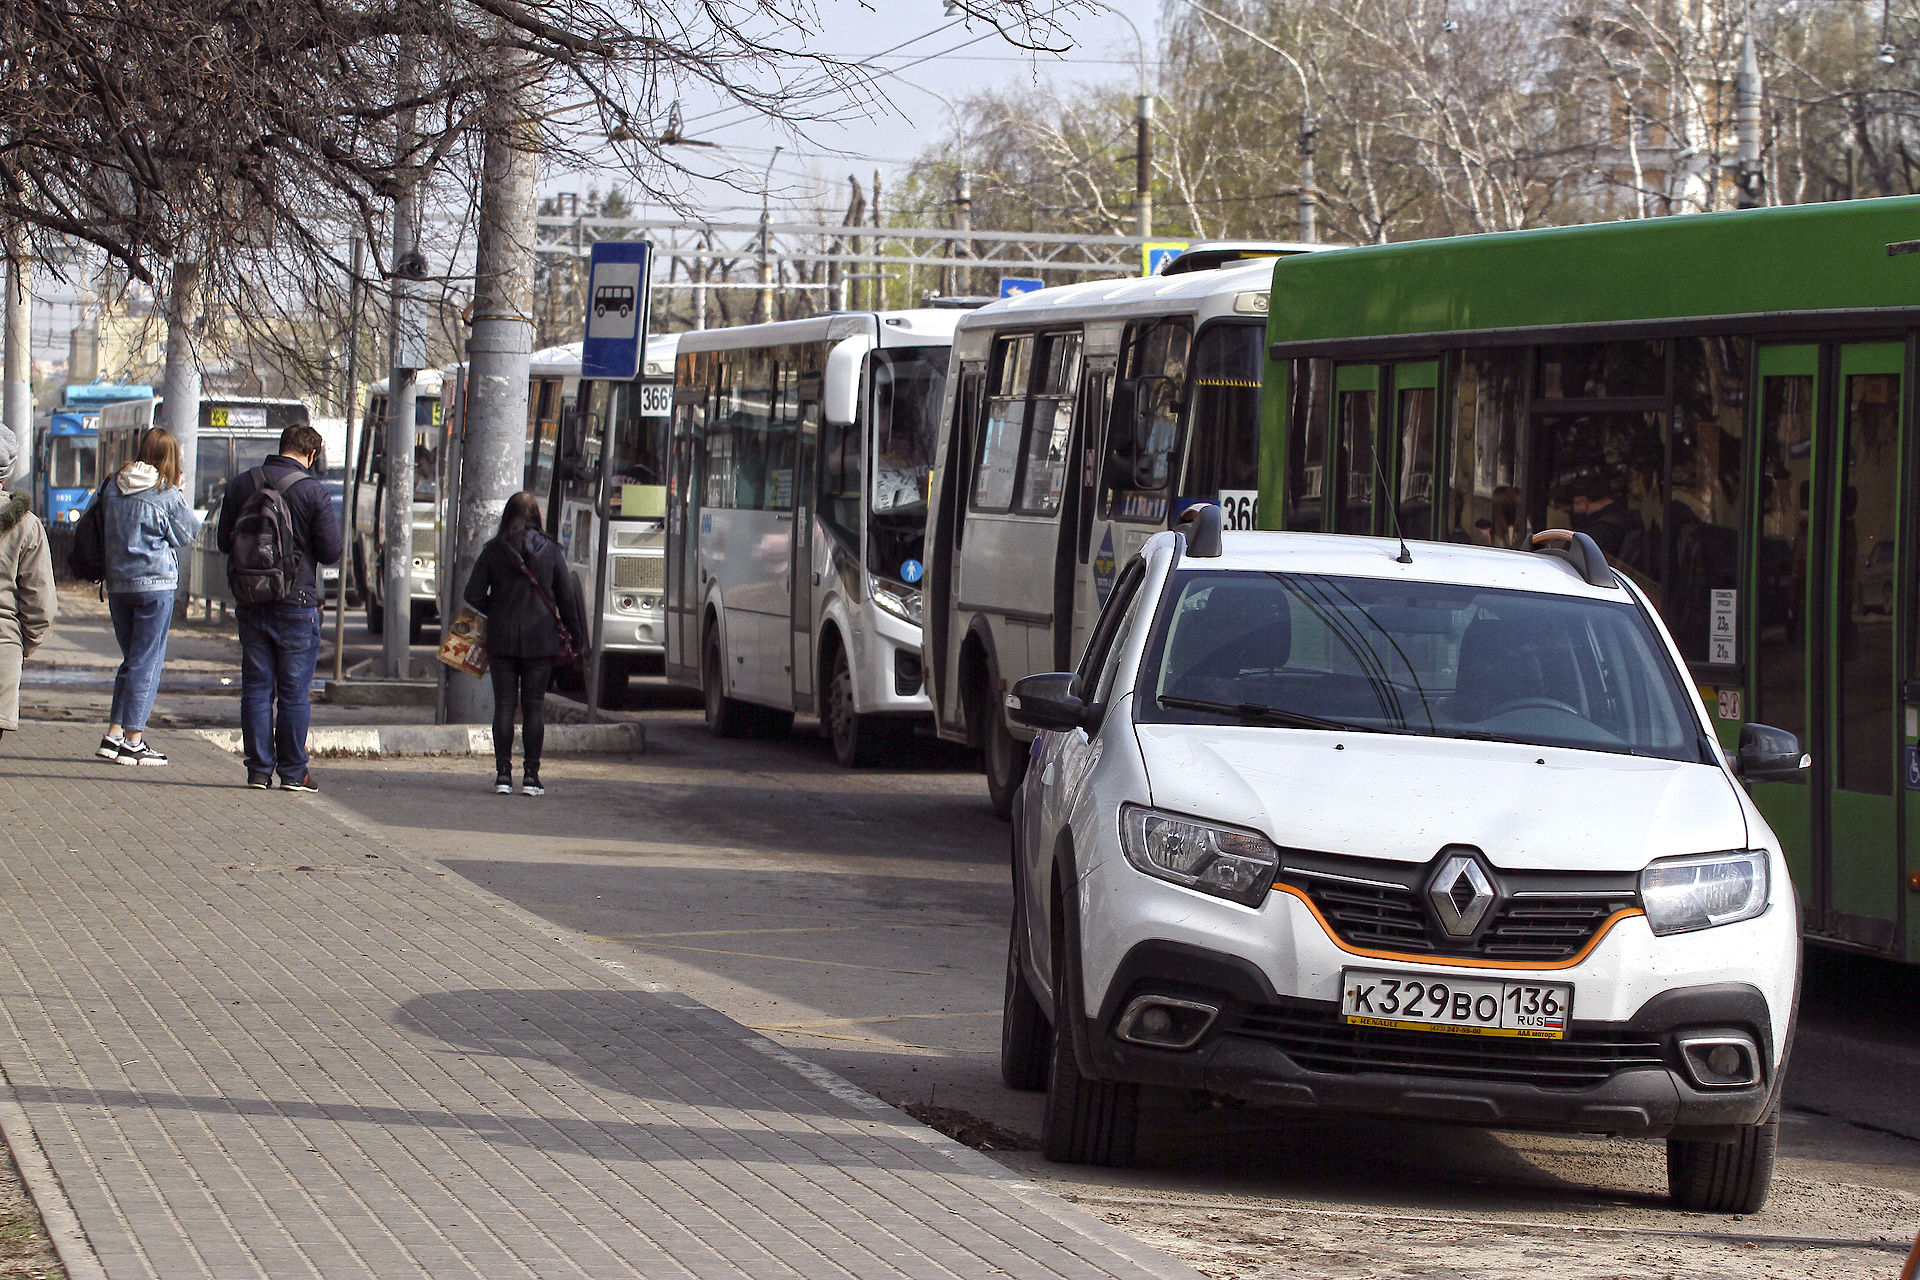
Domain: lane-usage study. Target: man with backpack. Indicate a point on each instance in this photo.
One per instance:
(276, 527)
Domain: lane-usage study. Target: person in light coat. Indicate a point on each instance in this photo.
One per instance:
(27, 600)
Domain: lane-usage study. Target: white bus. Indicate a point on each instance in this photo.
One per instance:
(1079, 422)
(627, 422)
(366, 540)
(236, 433)
(796, 518)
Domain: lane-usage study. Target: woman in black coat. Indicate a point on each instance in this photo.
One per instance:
(521, 583)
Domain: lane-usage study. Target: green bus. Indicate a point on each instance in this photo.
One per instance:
(1725, 402)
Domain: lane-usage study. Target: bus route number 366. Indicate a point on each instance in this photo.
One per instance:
(1239, 509)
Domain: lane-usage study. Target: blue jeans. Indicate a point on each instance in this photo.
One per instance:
(140, 622)
(279, 645)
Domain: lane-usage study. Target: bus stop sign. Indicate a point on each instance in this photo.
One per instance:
(616, 309)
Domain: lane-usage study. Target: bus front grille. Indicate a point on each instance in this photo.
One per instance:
(639, 573)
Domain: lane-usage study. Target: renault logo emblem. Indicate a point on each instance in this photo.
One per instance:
(1461, 895)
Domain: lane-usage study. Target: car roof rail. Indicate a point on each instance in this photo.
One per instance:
(1582, 554)
(1200, 524)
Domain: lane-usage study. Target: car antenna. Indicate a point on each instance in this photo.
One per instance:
(1393, 508)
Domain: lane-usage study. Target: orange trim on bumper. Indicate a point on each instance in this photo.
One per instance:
(1460, 962)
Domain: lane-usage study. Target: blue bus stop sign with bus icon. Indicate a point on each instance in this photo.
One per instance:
(616, 309)
(1014, 286)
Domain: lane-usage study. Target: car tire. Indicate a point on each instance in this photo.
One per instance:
(1724, 1177)
(1003, 755)
(1026, 1037)
(726, 717)
(1087, 1121)
(858, 741)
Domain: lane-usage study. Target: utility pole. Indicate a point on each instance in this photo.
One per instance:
(1748, 174)
(959, 278)
(352, 401)
(181, 384)
(19, 347)
(879, 276)
(763, 300)
(1143, 163)
(406, 354)
(499, 351)
(1309, 131)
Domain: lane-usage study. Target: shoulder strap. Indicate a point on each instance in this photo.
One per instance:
(520, 563)
(286, 482)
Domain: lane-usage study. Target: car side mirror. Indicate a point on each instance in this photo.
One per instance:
(1768, 754)
(1047, 701)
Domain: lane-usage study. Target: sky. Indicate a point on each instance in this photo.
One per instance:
(926, 64)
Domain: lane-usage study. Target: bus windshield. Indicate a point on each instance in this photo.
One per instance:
(639, 452)
(907, 386)
(71, 466)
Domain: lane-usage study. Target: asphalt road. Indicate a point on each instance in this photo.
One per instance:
(860, 917)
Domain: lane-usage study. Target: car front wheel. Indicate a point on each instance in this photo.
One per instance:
(1087, 1121)
(1026, 1039)
(1724, 1177)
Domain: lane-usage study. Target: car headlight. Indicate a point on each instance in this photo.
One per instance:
(1699, 892)
(901, 602)
(1236, 865)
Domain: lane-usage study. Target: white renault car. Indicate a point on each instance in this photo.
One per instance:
(1407, 829)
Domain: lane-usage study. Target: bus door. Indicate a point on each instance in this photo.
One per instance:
(1076, 605)
(683, 586)
(805, 575)
(1383, 425)
(1824, 626)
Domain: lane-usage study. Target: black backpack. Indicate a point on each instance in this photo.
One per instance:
(87, 557)
(265, 553)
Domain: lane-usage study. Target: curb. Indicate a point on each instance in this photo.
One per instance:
(625, 738)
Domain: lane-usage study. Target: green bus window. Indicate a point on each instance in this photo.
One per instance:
(1482, 499)
(1704, 507)
(1307, 443)
(1600, 474)
(1357, 462)
(1601, 370)
(1786, 502)
(1870, 476)
(1415, 494)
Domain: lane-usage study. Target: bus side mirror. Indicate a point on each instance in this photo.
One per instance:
(1123, 434)
(573, 443)
(840, 387)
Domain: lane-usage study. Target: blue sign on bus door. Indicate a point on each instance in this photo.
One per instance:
(616, 310)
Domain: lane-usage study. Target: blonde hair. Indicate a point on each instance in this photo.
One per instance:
(159, 450)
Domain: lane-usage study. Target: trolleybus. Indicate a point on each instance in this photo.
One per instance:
(1726, 404)
(1080, 421)
(66, 448)
(796, 511)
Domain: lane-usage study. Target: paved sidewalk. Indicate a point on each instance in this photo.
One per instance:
(250, 1038)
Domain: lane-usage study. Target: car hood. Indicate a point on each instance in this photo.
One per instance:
(1404, 798)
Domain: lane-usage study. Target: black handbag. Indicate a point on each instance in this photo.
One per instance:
(568, 654)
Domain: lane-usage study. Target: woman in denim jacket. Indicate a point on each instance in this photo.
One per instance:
(147, 521)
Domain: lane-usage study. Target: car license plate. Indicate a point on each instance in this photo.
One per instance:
(1466, 1006)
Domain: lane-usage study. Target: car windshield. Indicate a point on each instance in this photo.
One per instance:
(1324, 652)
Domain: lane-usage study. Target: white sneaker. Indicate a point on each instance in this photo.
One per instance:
(139, 753)
(109, 748)
(530, 786)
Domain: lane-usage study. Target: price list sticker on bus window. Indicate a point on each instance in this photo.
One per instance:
(1720, 629)
(616, 310)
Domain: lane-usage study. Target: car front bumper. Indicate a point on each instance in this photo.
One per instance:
(1623, 1078)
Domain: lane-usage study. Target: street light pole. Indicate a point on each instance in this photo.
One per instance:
(763, 308)
(1309, 127)
(1143, 137)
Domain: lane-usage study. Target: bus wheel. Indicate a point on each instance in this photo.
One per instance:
(726, 717)
(615, 668)
(858, 741)
(1006, 755)
(376, 616)
(416, 621)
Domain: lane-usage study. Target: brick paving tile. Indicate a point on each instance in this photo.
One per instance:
(254, 1040)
